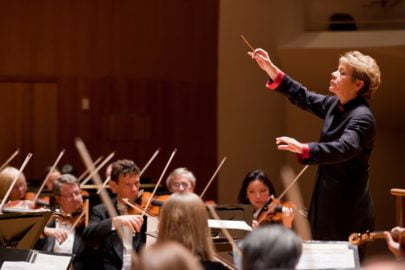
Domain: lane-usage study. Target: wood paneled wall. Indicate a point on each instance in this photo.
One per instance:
(147, 69)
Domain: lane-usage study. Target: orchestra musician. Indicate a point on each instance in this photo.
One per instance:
(181, 180)
(257, 190)
(17, 195)
(167, 256)
(184, 219)
(101, 233)
(396, 246)
(53, 176)
(341, 202)
(271, 247)
(46, 194)
(61, 237)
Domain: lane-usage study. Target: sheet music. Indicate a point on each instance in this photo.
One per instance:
(229, 224)
(22, 266)
(324, 256)
(52, 261)
(152, 229)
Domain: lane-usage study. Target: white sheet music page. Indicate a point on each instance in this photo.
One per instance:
(21, 266)
(324, 256)
(52, 261)
(229, 224)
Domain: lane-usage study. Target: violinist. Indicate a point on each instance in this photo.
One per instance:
(61, 237)
(46, 198)
(17, 195)
(181, 180)
(396, 246)
(101, 234)
(53, 176)
(256, 190)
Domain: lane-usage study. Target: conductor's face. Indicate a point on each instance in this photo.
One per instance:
(127, 186)
(70, 198)
(342, 82)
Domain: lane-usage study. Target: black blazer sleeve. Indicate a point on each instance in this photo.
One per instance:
(100, 225)
(307, 100)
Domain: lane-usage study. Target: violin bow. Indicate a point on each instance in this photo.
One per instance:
(149, 162)
(81, 177)
(3, 202)
(289, 186)
(104, 184)
(226, 264)
(9, 159)
(158, 183)
(135, 207)
(292, 183)
(82, 214)
(212, 178)
(91, 173)
(294, 194)
(224, 230)
(34, 200)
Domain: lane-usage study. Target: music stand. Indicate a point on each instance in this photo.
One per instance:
(231, 212)
(22, 229)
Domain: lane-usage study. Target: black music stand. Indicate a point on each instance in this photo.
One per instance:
(22, 229)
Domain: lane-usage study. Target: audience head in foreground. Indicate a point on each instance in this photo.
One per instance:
(167, 256)
(271, 247)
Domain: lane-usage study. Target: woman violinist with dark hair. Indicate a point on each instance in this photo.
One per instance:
(258, 191)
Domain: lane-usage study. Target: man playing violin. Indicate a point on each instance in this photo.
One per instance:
(61, 236)
(101, 233)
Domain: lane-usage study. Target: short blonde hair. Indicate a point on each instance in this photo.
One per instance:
(184, 219)
(365, 69)
(6, 179)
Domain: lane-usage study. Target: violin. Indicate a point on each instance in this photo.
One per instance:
(73, 220)
(361, 238)
(156, 203)
(79, 218)
(44, 201)
(275, 211)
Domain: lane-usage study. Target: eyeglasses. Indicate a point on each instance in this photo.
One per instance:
(182, 184)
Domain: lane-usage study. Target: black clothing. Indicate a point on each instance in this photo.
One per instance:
(341, 203)
(210, 265)
(100, 236)
(48, 244)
